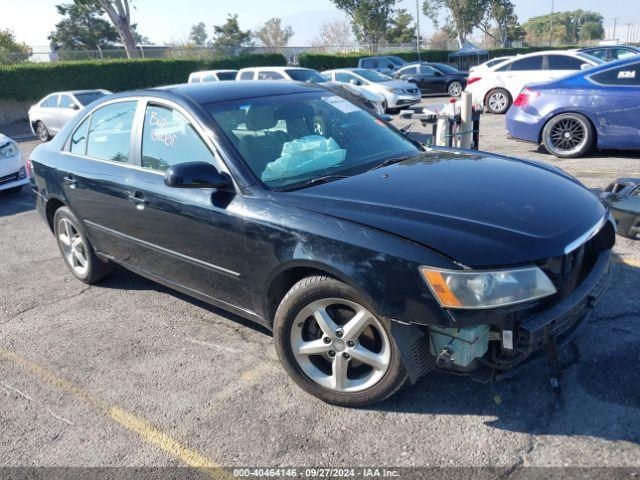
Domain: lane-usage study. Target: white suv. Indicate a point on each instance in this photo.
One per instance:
(498, 86)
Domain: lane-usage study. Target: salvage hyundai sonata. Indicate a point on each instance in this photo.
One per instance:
(372, 259)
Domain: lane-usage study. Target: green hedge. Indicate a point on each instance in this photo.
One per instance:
(32, 81)
(325, 61)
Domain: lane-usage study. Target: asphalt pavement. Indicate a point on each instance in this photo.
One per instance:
(129, 373)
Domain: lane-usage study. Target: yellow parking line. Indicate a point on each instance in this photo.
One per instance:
(145, 430)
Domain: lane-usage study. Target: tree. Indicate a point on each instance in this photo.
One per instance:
(441, 38)
(369, 18)
(501, 23)
(273, 35)
(465, 14)
(400, 29)
(336, 35)
(565, 27)
(198, 34)
(228, 37)
(82, 27)
(119, 13)
(12, 51)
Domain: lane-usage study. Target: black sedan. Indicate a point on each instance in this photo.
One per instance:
(434, 78)
(372, 259)
(623, 198)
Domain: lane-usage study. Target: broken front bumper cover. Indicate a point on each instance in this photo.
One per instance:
(560, 324)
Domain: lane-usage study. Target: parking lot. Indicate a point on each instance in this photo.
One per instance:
(128, 373)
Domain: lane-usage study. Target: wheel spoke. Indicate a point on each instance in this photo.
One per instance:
(325, 322)
(80, 258)
(314, 347)
(356, 325)
(339, 369)
(374, 360)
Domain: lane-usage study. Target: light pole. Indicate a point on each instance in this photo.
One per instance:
(418, 28)
(551, 22)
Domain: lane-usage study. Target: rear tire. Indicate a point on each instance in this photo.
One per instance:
(76, 249)
(499, 101)
(342, 363)
(454, 89)
(42, 132)
(568, 135)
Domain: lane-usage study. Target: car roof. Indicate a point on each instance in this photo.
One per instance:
(204, 72)
(608, 47)
(203, 93)
(273, 69)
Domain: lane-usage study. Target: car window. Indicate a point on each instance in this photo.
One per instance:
(194, 79)
(51, 102)
(600, 53)
(344, 77)
(563, 62)
(288, 139)
(78, 142)
(246, 76)
(209, 78)
(309, 76)
(619, 53)
(268, 75)
(427, 70)
(66, 102)
(86, 98)
(109, 134)
(529, 63)
(409, 71)
(227, 75)
(628, 75)
(369, 63)
(168, 139)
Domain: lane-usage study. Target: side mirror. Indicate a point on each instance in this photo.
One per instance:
(585, 66)
(76, 106)
(437, 73)
(355, 81)
(196, 175)
(385, 118)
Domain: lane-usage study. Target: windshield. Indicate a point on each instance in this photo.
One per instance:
(289, 140)
(301, 75)
(591, 58)
(445, 68)
(86, 98)
(372, 75)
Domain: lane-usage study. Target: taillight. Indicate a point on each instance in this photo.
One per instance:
(525, 97)
(29, 168)
(471, 80)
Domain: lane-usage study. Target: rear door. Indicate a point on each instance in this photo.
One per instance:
(432, 80)
(49, 112)
(617, 106)
(94, 171)
(190, 237)
(515, 75)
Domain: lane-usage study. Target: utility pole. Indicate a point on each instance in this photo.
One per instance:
(628, 31)
(551, 22)
(418, 28)
(615, 24)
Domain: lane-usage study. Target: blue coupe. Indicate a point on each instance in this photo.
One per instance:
(598, 107)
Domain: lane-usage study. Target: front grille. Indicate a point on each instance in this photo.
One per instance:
(9, 178)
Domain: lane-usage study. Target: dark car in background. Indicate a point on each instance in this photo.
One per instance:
(386, 64)
(434, 78)
(371, 258)
(598, 107)
(623, 198)
(609, 53)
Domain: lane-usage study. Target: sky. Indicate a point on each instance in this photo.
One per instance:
(170, 20)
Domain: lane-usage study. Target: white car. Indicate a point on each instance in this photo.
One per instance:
(397, 93)
(497, 86)
(49, 115)
(212, 76)
(307, 75)
(13, 170)
(490, 63)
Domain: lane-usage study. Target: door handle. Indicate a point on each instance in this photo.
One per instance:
(69, 180)
(138, 199)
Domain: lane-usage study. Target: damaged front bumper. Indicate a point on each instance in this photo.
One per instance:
(558, 324)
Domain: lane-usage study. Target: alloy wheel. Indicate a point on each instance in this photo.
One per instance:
(42, 132)
(73, 247)
(340, 345)
(455, 89)
(567, 135)
(498, 101)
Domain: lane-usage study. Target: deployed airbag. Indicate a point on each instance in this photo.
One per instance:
(303, 155)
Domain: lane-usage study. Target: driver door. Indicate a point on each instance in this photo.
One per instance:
(192, 238)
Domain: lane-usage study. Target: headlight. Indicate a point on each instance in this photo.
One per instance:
(487, 289)
(8, 150)
(399, 91)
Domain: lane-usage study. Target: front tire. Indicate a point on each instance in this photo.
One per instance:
(568, 135)
(76, 249)
(499, 101)
(334, 347)
(42, 132)
(454, 89)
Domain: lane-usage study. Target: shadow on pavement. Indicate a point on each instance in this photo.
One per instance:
(14, 203)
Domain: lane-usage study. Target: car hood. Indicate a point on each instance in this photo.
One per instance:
(476, 208)
(396, 84)
(4, 140)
